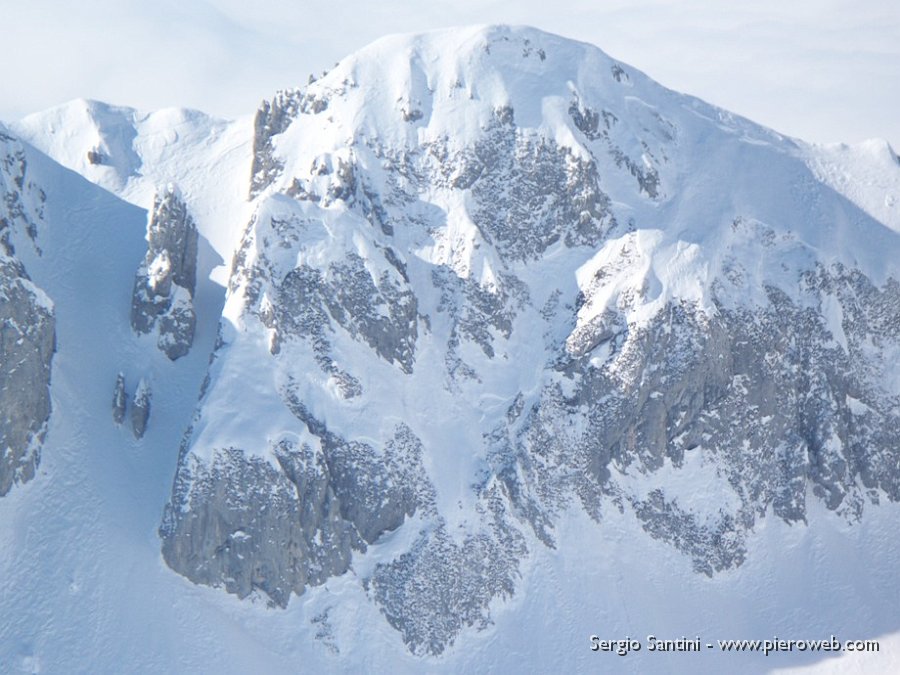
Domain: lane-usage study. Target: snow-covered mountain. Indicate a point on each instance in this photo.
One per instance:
(512, 336)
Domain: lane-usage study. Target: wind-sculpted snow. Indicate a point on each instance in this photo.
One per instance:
(27, 324)
(491, 274)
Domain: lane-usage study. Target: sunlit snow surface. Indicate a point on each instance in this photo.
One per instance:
(84, 588)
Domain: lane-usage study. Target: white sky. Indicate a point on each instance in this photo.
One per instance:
(823, 70)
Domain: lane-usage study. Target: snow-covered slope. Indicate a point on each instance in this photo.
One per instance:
(518, 347)
(493, 273)
(867, 173)
(134, 154)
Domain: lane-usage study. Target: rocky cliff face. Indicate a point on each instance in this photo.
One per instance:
(27, 326)
(162, 300)
(478, 290)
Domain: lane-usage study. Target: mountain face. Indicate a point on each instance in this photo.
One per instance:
(492, 274)
(485, 286)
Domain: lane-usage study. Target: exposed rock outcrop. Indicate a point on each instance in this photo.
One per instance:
(27, 325)
(162, 300)
(26, 347)
(120, 400)
(140, 409)
(272, 118)
(280, 528)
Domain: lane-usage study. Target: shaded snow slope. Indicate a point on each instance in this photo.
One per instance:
(867, 173)
(76, 549)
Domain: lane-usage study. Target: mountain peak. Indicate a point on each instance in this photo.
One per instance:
(500, 65)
